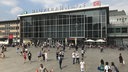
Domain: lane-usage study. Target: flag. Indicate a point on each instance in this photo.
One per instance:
(97, 3)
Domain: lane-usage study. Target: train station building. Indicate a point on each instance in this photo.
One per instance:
(75, 24)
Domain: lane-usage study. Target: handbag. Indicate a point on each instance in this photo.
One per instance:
(123, 62)
(98, 68)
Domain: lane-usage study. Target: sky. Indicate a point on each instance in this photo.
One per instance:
(9, 9)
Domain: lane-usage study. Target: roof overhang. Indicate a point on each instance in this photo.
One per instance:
(65, 10)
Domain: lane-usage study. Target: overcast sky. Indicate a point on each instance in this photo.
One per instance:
(9, 9)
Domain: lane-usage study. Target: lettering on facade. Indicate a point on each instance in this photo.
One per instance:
(83, 5)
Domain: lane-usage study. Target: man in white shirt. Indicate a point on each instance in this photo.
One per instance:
(106, 67)
(77, 57)
(73, 57)
(82, 66)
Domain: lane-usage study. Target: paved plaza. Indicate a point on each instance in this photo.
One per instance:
(14, 62)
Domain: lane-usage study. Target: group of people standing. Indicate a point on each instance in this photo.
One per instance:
(27, 55)
(113, 68)
(76, 58)
(43, 55)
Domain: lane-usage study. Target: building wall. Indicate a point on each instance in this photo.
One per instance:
(119, 20)
(118, 30)
(10, 27)
(91, 23)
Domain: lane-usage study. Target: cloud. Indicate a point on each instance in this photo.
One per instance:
(9, 2)
(50, 3)
(16, 10)
(12, 6)
(117, 4)
(93, 1)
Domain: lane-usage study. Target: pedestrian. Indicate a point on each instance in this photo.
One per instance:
(113, 67)
(82, 47)
(60, 61)
(82, 53)
(73, 57)
(21, 52)
(57, 54)
(29, 56)
(39, 55)
(26, 50)
(82, 66)
(62, 53)
(64, 47)
(42, 68)
(101, 65)
(3, 48)
(2, 55)
(17, 49)
(101, 49)
(120, 59)
(76, 47)
(77, 57)
(107, 67)
(25, 56)
(45, 55)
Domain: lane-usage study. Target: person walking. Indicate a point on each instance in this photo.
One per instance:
(101, 65)
(2, 54)
(107, 67)
(82, 53)
(121, 59)
(60, 58)
(29, 56)
(57, 54)
(73, 57)
(17, 49)
(45, 55)
(25, 56)
(101, 49)
(82, 66)
(76, 47)
(77, 57)
(39, 55)
(113, 67)
(42, 68)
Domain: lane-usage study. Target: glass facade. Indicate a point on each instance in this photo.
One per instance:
(91, 23)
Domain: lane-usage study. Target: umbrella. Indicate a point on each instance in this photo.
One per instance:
(100, 40)
(89, 40)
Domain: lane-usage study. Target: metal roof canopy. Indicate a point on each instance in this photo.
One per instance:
(66, 10)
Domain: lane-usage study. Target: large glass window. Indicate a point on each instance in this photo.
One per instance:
(118, 30)
(124, 30)
(85, 23)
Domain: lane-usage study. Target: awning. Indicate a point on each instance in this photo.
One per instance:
(100, 40)
(89, 40)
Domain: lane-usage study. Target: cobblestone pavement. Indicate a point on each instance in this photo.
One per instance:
(14, 62)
